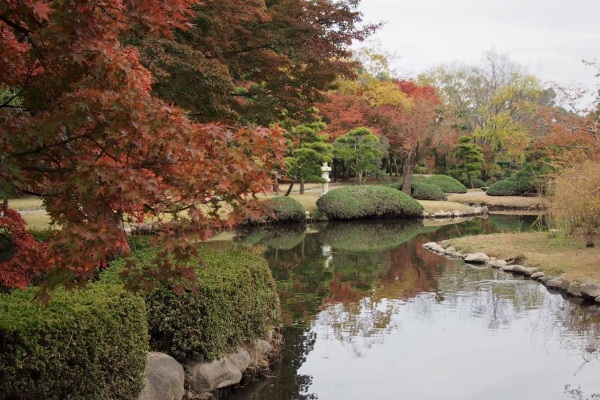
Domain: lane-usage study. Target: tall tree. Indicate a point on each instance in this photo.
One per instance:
(497, 103)
(260, 61)
(308, 150)
(361, 151)
(469, 159)
(83, 131)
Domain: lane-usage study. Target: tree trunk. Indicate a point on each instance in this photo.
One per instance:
(289, 189)
(408, 169)
(5, 206)
(301, 185)
(359, 175)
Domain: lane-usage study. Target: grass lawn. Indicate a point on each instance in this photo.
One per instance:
(558, 255)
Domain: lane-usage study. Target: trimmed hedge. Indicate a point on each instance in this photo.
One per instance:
(357, 202)
(89, 344)
(285, 209)
(425, 191)
(447, 183)
(235, 301)
(511, 187)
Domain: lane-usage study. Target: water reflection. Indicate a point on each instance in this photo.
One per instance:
(370, 314)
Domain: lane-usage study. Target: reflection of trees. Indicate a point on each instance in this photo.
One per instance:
(489, 294)
(492, 223)
(585, 323)
(282, 237)
(391, 277)
(371, 236)
(379, 266)
(284, 382)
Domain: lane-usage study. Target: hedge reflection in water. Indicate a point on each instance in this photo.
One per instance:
(355, 278)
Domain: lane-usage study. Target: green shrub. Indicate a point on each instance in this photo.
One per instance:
(285, 209)
(425, 191)
(395, 185)
(447, 183)
(356, 202)
(88, 344)
(511, 187)
(41, 235)
(478, 183)
(235, 301)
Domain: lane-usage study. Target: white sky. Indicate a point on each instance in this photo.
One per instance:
(549, 38)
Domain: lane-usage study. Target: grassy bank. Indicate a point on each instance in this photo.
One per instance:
(37, 218)
(478, 196)
(564, 256)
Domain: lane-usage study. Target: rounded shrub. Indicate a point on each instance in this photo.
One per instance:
(447, 183)
(235, 301)
(425, 191)
(88, 344)
(510, 187)
(478, 183)
(284, 209)
(357, 202)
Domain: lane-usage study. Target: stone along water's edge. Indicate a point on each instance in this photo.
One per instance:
(167, 379)
(585, 290)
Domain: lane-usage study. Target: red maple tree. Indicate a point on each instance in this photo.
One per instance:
(80, 127)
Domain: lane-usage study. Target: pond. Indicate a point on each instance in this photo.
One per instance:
(370, 314)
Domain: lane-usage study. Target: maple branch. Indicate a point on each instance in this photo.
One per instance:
(15, 25)
(49, 146)
(50, 170)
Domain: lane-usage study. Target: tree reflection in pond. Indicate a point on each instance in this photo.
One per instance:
(363, 300)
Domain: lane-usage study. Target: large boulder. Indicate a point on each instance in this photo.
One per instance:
(590, 290)
(206, 377)
(164, 378)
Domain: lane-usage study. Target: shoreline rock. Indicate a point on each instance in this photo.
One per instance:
(167, 379)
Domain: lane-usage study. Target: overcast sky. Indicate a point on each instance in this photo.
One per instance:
(547, 37)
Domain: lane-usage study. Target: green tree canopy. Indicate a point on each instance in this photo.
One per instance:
(469, 159)
(361, 151)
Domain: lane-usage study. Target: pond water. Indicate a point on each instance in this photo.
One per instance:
(370, 314)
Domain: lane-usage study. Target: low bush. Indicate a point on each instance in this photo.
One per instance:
(84, 345)
(357, 202)
(284, 209)
(425, 191)
(477, 183)
(511, 187)
(235, 301)
(447, 183)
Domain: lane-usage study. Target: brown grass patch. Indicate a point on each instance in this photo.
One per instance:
(559, 255)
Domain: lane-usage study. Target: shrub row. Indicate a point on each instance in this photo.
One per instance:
(236, 300)
(356, 202)
(88, 344)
